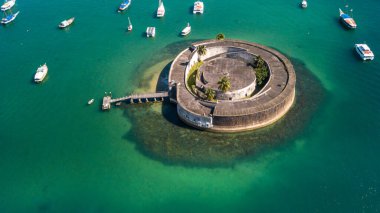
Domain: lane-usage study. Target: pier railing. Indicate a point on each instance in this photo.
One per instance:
(134, 98)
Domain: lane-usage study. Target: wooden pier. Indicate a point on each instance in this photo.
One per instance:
(135, 98)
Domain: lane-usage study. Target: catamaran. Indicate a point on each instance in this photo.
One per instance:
(41, 73)
(124, 5)
(198, 7)
(9, 18)
(347, 20)
(364, 52)
(304, 4)
(186, 30)
(8, 5)
(161, 9)
(130, 26)
(150, 32)
(66, 23)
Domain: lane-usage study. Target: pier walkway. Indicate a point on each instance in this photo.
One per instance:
(134, 98)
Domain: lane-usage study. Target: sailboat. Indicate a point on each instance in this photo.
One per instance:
(9, 18)
(8, 5)
(124, 5)
(347, 20)
(186, 30)
(161, 9)
(130, 26)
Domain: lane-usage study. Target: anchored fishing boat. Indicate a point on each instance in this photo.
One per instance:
(66, 23)
(8, 5)
(198, 7)
(186, 30)
(130, 26)
(41, 73)
(161, 9)
(364, 52)
(347, 20)
(9, 18)
(124, 5)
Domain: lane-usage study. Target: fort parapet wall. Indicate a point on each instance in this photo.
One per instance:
(244, 113)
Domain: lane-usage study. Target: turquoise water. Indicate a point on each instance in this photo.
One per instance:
(60, 155)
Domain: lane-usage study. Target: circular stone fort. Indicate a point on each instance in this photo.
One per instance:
(231, 85)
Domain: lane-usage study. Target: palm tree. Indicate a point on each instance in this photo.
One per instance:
(210, 94)
(224, 84)
(201, 50)
(220, 36)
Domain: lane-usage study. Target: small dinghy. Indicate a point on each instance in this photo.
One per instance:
(90, 102)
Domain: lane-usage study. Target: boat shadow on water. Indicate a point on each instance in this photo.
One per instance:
(159, 134)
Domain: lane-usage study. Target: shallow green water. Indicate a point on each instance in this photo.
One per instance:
(60, 155)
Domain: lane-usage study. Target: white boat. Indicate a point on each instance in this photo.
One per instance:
(198, 7)
(8, 5)
(90, 101)
(9, 18)
(161, 9)
(124, 5)
(304, 4)
(347, 20)
(66, 23)
(130, 26)
(41, 73)
(186, 30)
(364, 52)
(150, 32)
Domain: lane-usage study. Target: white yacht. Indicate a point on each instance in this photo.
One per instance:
(304, 4)
(150, 32)
(161, 9)
(66, 23)
(130, 26)
(198, 7)
(41, 73)
(364, 52)
(8, 5)
(186, 30)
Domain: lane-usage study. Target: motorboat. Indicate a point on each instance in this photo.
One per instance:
(150, 32)
(8, 5)
(364, 52)
(198, 7)
(9, 18)
(124, 5)
(130, 26)
(161, 9)
(347, 20)
(66, 23)
(41, 73)
(304, 4)
(186, 30)
(91, 101)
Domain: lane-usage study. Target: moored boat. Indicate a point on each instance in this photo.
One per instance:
(124, 5)
(66, 23)
(364, 52)
(198, 7)
(41, 73)
(161, 9)
(9, 18)
(347, 20)
(150, 32)
(304, 4)
(130, 26)
(8, 5)
(186, 30)
(91, 101)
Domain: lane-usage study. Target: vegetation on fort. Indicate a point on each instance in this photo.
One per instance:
(224, 84)
(220, 36)
(261, 69)
(202, 50)
(193, 75)
(210, 94)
